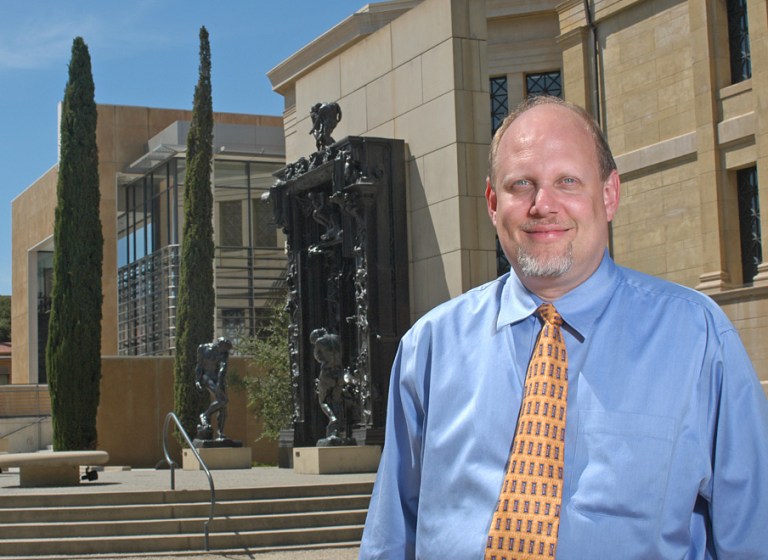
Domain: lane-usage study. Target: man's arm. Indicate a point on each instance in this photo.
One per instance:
(738, 490)
(390, 528)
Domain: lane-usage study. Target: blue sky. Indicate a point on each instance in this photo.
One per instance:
(144, 53)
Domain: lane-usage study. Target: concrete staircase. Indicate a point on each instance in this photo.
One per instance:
(249, 519)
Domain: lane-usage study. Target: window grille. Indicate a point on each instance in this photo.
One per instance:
(499, 102)
(738, 41)
(749, 222)
(547, 83)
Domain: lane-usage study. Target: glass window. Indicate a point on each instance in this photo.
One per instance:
(547, 83)
(749, 222)
(263, 223)
(499, 102)
(738, 41)
(230, 223)
(264, 230)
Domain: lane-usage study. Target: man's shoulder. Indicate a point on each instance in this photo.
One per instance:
(483, 298)
(640, 285)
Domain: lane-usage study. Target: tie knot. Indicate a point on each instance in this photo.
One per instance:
(548, 312)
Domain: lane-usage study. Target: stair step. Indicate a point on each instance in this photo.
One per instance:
(184, 542)
(150, 510)
(173, 521)
(184, 496)
(191, 525)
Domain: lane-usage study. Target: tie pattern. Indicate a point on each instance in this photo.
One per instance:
(527, 516)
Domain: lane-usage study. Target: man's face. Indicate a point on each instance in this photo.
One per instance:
(550, 207)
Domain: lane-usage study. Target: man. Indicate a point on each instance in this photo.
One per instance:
(211, 374)
(666, 430)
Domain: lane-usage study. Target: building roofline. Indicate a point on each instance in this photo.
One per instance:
(367, 20)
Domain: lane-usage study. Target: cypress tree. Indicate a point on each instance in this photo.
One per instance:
(73, 351)
(196, 299)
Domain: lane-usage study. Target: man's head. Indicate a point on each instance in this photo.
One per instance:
(552, 188)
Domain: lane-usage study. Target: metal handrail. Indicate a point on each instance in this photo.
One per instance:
(40, 420)
(172, 464)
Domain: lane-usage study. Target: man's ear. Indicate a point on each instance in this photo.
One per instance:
(490, 198)
(611, 194)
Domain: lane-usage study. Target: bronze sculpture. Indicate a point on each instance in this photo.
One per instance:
(325, 117)
(211, 374)
(336, 389)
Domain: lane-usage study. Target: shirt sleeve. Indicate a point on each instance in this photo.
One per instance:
(390, 528)
(738, 489)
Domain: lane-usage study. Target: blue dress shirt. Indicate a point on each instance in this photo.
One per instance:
(666, 447)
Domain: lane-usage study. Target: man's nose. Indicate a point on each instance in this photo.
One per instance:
(544, 201)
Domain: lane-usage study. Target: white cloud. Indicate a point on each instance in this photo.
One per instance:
(44, 38)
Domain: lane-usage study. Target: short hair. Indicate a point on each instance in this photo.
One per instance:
(605, 161)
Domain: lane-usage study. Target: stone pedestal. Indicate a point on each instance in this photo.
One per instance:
(336, 460)
(49, 475)
(218, 458)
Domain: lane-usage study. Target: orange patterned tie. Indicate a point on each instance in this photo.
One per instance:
(527, 515)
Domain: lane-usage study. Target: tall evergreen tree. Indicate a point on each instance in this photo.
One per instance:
(73, 351)
(5, 318)
(196, 300)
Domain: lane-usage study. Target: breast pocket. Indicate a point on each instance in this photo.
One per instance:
(621, 465)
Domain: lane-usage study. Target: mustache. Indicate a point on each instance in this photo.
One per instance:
(535, 225)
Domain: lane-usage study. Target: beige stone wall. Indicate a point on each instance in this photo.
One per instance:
(136, 396)
(32, 224)
(679, 131)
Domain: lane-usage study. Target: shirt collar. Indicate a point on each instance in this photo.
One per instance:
(579, 308)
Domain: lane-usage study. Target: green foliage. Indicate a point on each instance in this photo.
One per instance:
(196, 299)
(269, 392)
(73, 352)
(5, 318)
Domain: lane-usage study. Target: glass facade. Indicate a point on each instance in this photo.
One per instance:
(249, 266)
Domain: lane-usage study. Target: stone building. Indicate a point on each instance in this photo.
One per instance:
(141, 171)
(679, 86)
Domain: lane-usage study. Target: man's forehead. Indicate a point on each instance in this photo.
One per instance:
(546, 125)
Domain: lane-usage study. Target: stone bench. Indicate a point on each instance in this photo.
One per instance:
(52, 468)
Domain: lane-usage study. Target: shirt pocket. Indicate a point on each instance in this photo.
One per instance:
(621, 464)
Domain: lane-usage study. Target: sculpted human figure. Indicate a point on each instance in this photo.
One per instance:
(325, 117)
(327, 351)
(211, 374)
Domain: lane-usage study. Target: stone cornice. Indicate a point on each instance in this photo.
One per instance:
(356, 27)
